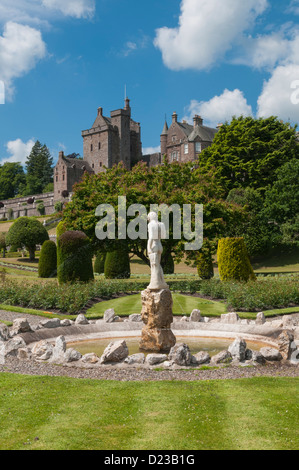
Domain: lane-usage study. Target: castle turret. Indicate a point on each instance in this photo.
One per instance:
(163, 139)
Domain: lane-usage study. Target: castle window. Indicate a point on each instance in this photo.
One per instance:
(197, 147)
(174, 156)
(91, 147)
(62, 177)
(92, 165)
(173, 138)
(100, 163)
(99, 145)
(186, 149)
(56, 179)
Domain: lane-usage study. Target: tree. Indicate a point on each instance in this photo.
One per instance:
(167, 184)
(248, 151)
(255, 229)
(281, 206)
(12, 177)
(39, 168)
(28, 232)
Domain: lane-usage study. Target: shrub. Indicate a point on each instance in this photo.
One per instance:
(75, 258)
(99, 264)
(41, 208)
(47, 265)
(3, 243)
(233, 260)
(167, 263)
(29, 232)
(58, 206)
(10, 213)
(117, 265)
(204, 262)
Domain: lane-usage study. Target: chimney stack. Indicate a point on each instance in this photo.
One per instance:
(100, 111)
(61, 154)
(174, 117)
(197, 120)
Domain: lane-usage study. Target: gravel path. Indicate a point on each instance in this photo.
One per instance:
(13, 365)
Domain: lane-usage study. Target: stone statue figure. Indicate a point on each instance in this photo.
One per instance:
(156, 231)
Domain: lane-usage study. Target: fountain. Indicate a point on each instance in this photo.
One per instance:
(156, 313)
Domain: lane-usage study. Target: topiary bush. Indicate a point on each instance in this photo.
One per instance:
(117, 265)
(233, 260)
(47, 265)
(167, 263)
(99, 264)
(74, 260)
(204, 262)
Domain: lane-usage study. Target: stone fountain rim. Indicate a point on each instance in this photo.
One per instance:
(114, 331)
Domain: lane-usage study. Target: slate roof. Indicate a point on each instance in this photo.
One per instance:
(79, 164)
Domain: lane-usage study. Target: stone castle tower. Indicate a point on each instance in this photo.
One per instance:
(112, 139)
(109, 141)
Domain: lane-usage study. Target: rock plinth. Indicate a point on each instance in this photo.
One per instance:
(157, 317)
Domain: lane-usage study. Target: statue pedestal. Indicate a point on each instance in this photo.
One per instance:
(157, 317)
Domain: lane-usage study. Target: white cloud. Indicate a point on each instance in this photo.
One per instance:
(294, 7)
(206, 32)
(18, 150)
(75, 8)
(276, 96)
(268, 51)
(149, 150)
(39, 12)
(220, 108)
(21, 47)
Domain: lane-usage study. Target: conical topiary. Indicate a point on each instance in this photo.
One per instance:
(117, 265)
(47, 265)
(99, 264)
(233, 260)
(75, 258)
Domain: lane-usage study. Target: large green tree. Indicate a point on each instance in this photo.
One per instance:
(28, 232)
(39, 169)
(12, 178)
(281, 206)
(247, 152)
(167, 184)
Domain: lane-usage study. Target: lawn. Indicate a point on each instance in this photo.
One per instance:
(60, 413)
(182, 305)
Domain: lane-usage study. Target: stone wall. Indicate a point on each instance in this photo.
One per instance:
(21, 208)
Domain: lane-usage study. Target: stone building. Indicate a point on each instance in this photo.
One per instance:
(109, 141)
(67, 172)
(183, 142)
(112, 139)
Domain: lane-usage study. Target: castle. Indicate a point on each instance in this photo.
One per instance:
(117, 138)
(112, 140)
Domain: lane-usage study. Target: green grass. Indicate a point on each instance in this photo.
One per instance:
(182, 305)
(61, 413)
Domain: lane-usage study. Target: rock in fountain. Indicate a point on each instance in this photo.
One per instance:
(156, 299)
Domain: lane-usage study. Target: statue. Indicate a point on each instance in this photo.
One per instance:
(157, 301)
(156, 231)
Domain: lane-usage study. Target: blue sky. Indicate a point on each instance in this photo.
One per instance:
(62, 59)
